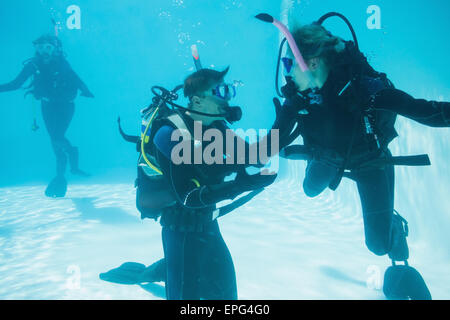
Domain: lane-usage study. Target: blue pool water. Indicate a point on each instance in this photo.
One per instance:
(284, 245)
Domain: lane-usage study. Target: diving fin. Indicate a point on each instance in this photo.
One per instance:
(403, 282)
(127, 273)
(136, 273)
(446, 112)
(57, 188)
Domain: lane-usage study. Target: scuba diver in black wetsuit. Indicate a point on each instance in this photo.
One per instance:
(345, 111)
(56, 85)
(197, 263)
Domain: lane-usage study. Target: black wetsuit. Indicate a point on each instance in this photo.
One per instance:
(198, 263)
(56, 85)
(331, 126)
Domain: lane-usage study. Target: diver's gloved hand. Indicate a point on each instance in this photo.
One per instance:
(286, 119)
(87, 94)
(284, 114)
(289, 89)
(212, 194)
(246, 182)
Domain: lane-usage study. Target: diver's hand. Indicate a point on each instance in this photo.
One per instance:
(245, 182)
(284, 114)
(289, 89)
(87, 94)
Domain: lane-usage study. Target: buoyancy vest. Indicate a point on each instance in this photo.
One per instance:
(153, 192)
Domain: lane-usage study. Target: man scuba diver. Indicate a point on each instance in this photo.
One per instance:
(56, 85)
(197, 263)
(345, 111)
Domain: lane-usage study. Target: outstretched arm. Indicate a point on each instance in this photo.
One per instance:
(281, 134)
(26, 72)
(193, 195)
(430, 113)
(185, 184)
(85, 92)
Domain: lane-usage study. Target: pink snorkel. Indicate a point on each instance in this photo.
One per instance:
(298, 56)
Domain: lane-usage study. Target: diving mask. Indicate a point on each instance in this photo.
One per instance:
(45, 49)
(226, 91)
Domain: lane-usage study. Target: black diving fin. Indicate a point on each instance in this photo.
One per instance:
(403, 282)
(136, 273)
(57, 188)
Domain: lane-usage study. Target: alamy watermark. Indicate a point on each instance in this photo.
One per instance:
(229, 148)
(374, 280)
(374, 20)
(73, 282)
(74, 20)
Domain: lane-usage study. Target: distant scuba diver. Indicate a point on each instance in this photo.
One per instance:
(56, 85)
(345, 111)
(197, 263)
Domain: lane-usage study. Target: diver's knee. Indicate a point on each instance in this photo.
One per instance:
(311, 191)
(379, 247)
(58, 143)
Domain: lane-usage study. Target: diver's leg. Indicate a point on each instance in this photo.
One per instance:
(218, 277)
(376, 191)
(61, 157)
(173, 245)
(65, 118)
(193, 250)
(399, 250)
(57, 119)
(318, 176)
(385, 234)
(73, 161)
(50, 116)
(430, 113)
(58, 186)
(384, 230)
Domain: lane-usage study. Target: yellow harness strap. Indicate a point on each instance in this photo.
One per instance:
(195, 181)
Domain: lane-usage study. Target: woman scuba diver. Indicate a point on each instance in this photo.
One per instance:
(56, 85)
(345, 112)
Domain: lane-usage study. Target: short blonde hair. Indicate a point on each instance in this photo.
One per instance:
(313, 40)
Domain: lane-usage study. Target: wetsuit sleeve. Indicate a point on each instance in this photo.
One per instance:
(196, 196)
(184, 180)
(26, 72)
(259, 153)
(430, 113)
(85, 92)
(163, 141)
